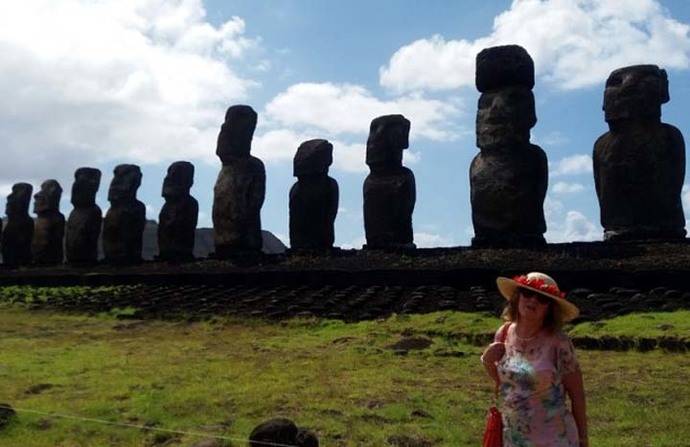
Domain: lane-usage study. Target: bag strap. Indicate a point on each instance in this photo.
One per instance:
(502, 335)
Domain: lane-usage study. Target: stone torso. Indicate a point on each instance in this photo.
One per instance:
(238, 197)
(82, 232)
(639, 175)
(16, 240)
(313, 207)
(507, 191)
(389, 200)
(46, 246)
(123, 229)
(177, 227)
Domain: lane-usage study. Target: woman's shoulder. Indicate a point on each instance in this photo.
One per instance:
(559, 338)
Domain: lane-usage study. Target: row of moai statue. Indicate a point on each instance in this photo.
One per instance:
(49, 239)
(639, 169)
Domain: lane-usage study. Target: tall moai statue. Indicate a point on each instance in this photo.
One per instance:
(19, 230)
(639, 164)
(84, 222)
(123, 226)
(389, 189)
(178, 217)
(509, 176)
(240, 188)
(313, 198)
(49, 228)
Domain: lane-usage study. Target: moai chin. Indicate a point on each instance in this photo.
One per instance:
(509, 176)
(389, 189)
(240, 188)
(49, 228)
(123, 226)
(178, 217)
(19, 230)
(639, 164)
(313, 198)
(84, 222)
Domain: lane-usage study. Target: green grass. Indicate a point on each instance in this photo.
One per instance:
(341, 380)
(652, 325)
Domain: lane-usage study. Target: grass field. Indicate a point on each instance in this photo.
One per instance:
(343, 381)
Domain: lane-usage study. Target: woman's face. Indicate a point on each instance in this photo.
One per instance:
(532, 306)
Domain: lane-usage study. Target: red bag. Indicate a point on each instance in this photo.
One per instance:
(493, 435)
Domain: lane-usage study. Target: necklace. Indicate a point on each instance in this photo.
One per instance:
(526, 338)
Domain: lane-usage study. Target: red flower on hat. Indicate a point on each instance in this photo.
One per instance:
(539, 284)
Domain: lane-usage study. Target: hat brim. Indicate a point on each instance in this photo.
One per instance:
(508, 286)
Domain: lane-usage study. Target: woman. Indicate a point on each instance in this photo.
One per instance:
(534, 366)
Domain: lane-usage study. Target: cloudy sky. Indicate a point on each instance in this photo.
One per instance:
(98, 83)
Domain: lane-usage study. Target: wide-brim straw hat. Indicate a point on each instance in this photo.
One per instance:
(542, 284)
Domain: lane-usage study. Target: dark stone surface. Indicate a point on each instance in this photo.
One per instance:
(123, 226)
(179, 215)
(7, 413)
(389, 190)
(277, 430)
(49, 227)
(84, 222)
(509, 177)
(503, 66)
(240, 188)
(639, 164)
(306, 438)
(19, 230)
(313, 198)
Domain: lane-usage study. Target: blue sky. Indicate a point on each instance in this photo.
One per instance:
(147, 82)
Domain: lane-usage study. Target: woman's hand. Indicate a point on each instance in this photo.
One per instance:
(494, 353)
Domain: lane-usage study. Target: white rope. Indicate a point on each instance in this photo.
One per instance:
(143, 427)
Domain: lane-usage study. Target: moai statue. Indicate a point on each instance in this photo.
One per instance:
(178, 217)
(313, 198)
(639, 164)
(389, 189)
(84, 222)
(509, 176)
(240, 188)
(49, 229)
(123, 226)
(19, 230)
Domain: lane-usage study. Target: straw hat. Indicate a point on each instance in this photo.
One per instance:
(542, 284)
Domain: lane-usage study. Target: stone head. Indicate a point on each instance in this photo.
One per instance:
(235, 137)
(85, 186)
(635, 92)
(388, 137)
(126, 181)
(48, 198)
(313, 157)
(504, 66)
(179, 180)
(18, 200)
(505, 117)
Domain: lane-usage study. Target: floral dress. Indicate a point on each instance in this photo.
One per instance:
(534, 407)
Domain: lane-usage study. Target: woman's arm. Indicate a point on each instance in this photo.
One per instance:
(575, 388)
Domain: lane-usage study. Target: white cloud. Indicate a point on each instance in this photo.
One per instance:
(338, 109)
(574, 43)
(280, 145)
(568, 226)
(572, 165)
(431, 240)
(567, 188)
(85, 82)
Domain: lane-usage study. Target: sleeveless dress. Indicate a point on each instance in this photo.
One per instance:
(534, 409)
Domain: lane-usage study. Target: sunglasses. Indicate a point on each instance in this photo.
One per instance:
(542, 299)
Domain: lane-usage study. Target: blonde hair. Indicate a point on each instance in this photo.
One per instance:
(553, 320)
